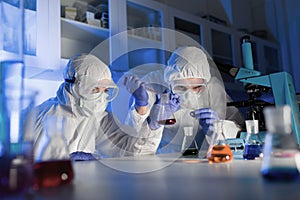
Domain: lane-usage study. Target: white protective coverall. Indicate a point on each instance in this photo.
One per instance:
(189, 62)
(87, 126)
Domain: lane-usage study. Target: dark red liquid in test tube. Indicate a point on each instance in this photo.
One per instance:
(167, 122)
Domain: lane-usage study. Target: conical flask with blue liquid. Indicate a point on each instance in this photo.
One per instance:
(281, 153)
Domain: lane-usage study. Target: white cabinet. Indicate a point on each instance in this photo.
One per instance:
(189, 25)
(59, 38)
(81, 33)
(145, 36)
(42, 62)
(138, 17)
(44, 34)
(78, 37)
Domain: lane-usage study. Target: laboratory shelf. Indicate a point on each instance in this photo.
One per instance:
(82, 31)
(135, 41)
(43, 74)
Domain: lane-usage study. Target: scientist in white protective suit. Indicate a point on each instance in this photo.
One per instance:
(89, 130)
(195, 85)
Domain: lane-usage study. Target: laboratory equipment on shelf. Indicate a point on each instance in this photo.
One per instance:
(253, 142)
(52, 163)
(219, 150)
(281, 159)
(189, 144)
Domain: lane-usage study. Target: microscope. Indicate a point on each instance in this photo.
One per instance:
(280, 85)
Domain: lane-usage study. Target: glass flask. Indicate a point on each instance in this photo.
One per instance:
(53, 166)
(281, 153)
(189, 144)
(219, 150)
(165, 114)
(16, 141)
(253, 143)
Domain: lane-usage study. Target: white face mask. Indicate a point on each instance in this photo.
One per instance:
(190, 100)
(194, 101)
(93, 104)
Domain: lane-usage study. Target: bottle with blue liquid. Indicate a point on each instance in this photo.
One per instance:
(281, 152)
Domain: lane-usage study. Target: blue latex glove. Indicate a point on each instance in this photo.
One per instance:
(155, 113)
(206, 117)
(138, 90)
(81, 156)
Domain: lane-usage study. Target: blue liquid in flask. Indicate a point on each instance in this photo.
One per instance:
(252, 151)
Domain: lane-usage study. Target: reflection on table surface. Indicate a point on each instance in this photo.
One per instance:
(170, 176)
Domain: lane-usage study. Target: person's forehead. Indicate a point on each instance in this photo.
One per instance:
(189, 81)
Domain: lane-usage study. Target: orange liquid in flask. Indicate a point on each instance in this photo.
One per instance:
(220, 153)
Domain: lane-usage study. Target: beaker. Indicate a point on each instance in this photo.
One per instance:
(280, 150)
(16, 140)
(53, 166)
(165, 114)
(189, 144)
(253, 142)
(218, 150)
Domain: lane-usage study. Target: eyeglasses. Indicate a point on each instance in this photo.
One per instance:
(182, 89)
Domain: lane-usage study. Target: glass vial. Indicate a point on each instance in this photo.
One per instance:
(189, 144)
(253, 143)
(219, 150)
(280, 148)
(53, 166)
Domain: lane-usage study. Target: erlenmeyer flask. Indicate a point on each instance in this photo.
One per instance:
(165, 115)
(253, 143)
(219, 150)
(189, 144)
(52, 165)
(281, 151)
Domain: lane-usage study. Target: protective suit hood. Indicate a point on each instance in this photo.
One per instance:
(82, 74)
(187, 62)
(88, 71)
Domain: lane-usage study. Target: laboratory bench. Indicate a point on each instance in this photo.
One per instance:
(169, 176)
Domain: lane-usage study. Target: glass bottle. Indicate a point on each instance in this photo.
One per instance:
(253, 143)
(53, 166)
(219, 150)
(281, 153)
(247, 52)
(16, 151)
(189, 144)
